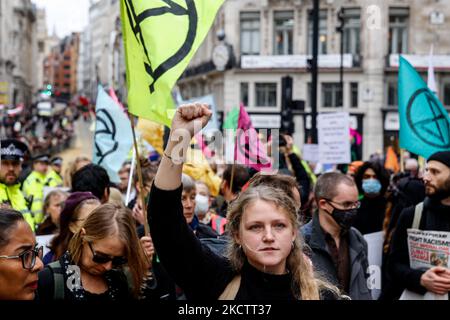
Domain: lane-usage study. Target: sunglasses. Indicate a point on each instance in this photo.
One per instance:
(28, 257)
(102, 259)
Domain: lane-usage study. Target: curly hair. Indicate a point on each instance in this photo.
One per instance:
(381, 173)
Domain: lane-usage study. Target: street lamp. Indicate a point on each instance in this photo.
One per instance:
(340, 29)
(314, 71)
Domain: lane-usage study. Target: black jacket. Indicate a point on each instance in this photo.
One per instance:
(371, 215)
(199, 272)
(435, 217)
(162, 286)
(323, 263)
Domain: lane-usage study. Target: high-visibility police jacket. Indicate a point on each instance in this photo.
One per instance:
(33, 188)
(12, 196)
(53, 179)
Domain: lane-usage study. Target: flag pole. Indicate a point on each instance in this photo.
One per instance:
(130, 180)
(233, 169)
(141, 181)
(402, 158)
(422, 164)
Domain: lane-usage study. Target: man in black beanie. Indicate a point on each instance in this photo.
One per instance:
(433, 216)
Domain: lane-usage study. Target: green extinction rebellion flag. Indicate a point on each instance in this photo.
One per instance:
(160, 38)
(424, 122)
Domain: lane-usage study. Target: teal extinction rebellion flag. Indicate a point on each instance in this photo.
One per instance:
(113, 135)
(424, 122)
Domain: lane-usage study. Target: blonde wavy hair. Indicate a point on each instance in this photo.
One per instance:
(107, 220)
(306, 284)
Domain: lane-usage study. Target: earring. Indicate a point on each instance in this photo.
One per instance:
(293, 245)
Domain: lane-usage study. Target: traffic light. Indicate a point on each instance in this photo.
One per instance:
(287, 122)
(286, 91)
(48, 90)
(287, 119)
(340, 16)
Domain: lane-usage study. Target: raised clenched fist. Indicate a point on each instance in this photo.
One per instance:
(191, 117)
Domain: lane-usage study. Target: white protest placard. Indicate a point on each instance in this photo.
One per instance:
(45, 242)
(409, 295)
(375, 254)
(311, 153)
(427, 249)
(334, 137)
(375, 247)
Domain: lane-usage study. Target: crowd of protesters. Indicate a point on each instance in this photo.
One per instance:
(289, 236)
(52, 132)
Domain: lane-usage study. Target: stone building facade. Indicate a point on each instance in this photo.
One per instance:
(270, 39)
(18, 52)
(102, 53)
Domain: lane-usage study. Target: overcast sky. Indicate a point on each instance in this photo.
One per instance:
(65, 16)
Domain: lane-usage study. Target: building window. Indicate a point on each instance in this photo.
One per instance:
(446, 92)
(266, 94)
(392, 94)
(354, 94)
(41, 46)
(244, 93)
(331, 95)
(250, 33)
(352, 30)
(398, 30)
(283, 33)
(323, 32)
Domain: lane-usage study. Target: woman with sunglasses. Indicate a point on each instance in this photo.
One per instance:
(20, 258)
(99, 258)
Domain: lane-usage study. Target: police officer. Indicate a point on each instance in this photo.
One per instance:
(12, 153)
(54, 178)
(33, 186)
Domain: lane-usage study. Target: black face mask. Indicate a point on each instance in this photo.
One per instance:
(344, 218)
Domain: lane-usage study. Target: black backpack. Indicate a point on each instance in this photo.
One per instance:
(216, 245)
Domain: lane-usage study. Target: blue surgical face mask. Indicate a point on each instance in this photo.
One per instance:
(201, 204)
(371, 186)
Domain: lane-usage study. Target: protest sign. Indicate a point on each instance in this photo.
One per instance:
(334, 141)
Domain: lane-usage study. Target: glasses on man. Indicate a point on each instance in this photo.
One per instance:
(28, 257)
(348, 205)
(102, 258)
